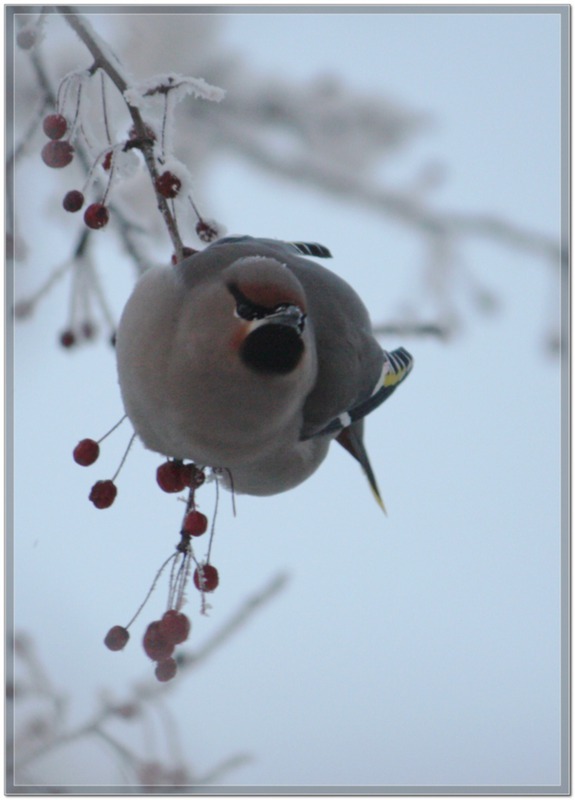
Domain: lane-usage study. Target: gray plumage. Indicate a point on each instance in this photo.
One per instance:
(243, 354)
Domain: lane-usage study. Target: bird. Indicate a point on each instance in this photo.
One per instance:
(250, 358)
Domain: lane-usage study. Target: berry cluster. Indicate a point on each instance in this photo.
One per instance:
(159, 642)
(58, 153)
(175, 476)
(103, 493)
(162, 636)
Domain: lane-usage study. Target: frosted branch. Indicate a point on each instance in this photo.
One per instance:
(353, 188)
(105, 60)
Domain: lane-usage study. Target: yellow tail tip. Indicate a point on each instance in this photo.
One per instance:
(379, 500)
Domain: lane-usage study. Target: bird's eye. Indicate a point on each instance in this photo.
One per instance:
(248, 311)
(245, 308)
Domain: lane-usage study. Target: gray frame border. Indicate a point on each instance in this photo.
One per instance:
(564, 10)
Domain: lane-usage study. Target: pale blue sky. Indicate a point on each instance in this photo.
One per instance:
(422, 649)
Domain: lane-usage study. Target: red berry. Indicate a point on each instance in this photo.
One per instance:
(187, 251)
(168, 184)
(26, 39)
(57, 154)
(96, 216)
(73, 200)
(55, 126)
(205, 231)
(193, 475)
(156, 644)
(208, 580)
(171, 476)
(116, 638)
(195, 523)
(103, 494)
(86, 452)
(107, 161)
(166, 669)
(175, 626)
(67, 339)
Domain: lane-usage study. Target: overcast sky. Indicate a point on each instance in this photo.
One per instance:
(418, 650)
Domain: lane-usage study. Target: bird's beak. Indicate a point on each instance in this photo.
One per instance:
(291, 316)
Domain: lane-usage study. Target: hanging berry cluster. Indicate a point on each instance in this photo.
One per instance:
(102, 130)
(170, 178)
(162, 635)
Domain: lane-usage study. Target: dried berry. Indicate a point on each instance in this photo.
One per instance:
(156, 644)
(103, 494)
(166, 669)
(195, 523)
(96, 216)
(208, 580)
(73, 200)
(86, 452)
(167, 184)
(116, 638)
(57, 154)
(55, 126)
(194, 476)
(205, 231)
(175, 626)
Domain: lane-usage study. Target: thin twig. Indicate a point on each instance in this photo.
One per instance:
(395, 205)
(149, 691)
(104, 60)
(415, 329)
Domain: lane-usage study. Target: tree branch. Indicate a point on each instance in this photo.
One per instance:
(106, 61)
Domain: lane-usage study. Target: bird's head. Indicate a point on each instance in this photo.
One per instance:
(269, 310)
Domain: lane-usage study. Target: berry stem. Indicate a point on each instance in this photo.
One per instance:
(125, 456)
(213, 526)
(105, 107)
(151, 589)
(113, 428)
(104, 60)
(179, 580)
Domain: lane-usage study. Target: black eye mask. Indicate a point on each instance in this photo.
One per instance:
(286, 314)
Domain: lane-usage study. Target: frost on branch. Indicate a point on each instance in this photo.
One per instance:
(117, 139)
(177, 86)
(318, 133)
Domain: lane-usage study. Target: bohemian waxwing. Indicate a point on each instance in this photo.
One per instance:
(250, 358)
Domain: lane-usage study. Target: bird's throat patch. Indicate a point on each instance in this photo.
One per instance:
(272, 349)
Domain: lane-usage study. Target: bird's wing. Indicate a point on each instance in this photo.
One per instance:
(396, 367)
